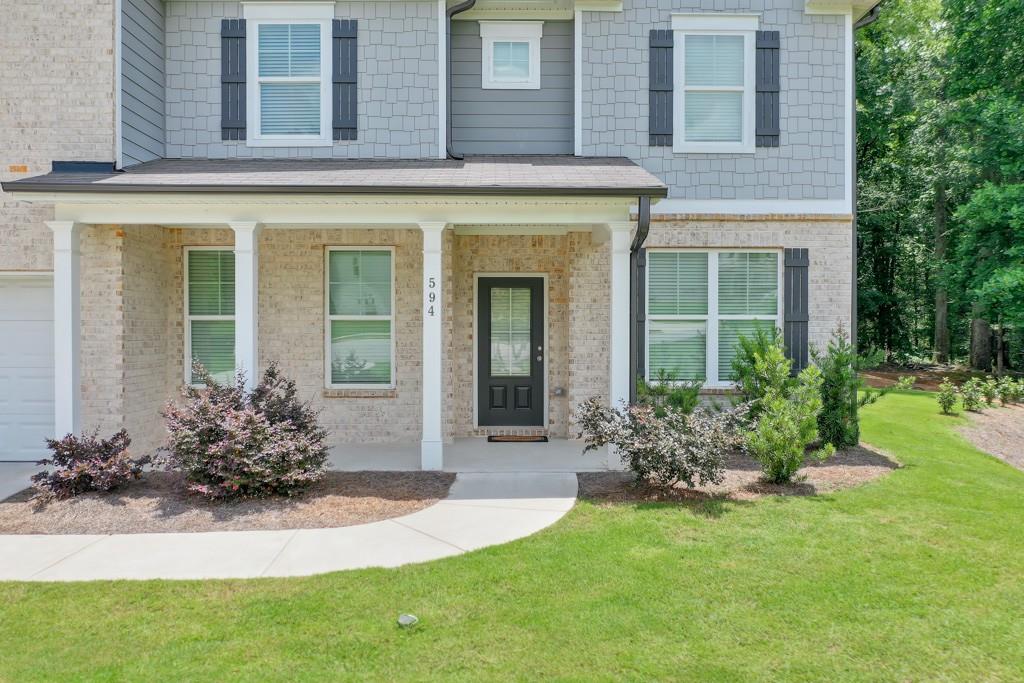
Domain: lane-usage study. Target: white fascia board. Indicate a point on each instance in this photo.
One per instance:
(288, 10)
(598, 5)
(331, 210)
(741, 207)
(715, 21)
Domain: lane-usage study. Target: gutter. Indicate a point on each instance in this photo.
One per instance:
(637, 296)
(452, 11)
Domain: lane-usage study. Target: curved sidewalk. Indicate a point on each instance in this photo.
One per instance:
(481, 509)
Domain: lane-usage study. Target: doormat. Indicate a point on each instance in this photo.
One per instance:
(513, 438)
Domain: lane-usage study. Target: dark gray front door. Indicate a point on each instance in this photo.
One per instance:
(511, 351)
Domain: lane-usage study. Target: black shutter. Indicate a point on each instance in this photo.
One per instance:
(660, 87)
(766, 85)
(795, 309)
(232, 79)
(345, 66)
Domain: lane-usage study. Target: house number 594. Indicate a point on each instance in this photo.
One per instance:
(431, 296)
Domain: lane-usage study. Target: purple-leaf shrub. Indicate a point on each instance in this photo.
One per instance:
(86, 463)
(232, 443)
(665, 449)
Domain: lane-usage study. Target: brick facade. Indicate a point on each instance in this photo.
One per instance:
(58, 103)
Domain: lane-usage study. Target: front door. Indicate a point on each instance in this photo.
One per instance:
(510, 356)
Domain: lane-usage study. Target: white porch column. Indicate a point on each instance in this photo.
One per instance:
(247, 300)
(431, 446)
(618, 348)
(67, 327)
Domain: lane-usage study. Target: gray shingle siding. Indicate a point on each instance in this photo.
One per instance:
(513, 121)
(810, 161)
(142, 83)
(398, 84)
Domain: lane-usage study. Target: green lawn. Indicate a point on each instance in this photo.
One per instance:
(919, 576)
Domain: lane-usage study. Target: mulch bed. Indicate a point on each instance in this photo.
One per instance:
(848, 468)
(158, 503)
(999, 431)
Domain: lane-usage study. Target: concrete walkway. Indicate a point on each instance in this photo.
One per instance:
(481, 509)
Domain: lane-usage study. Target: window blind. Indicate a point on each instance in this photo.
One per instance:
(211, 305)
(678, 283)
(711, 114)
(289, 73)
(748, 284)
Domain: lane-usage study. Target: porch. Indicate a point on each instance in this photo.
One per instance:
(401, 384)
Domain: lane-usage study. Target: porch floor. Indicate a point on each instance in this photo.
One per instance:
(473, 455)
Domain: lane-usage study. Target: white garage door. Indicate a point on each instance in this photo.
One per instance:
(26, 366)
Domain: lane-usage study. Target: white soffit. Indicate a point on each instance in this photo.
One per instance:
(856, 7)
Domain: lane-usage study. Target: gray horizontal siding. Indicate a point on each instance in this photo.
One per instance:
(513, 121)
(142, 81)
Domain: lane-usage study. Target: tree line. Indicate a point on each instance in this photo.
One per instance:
(940, 203)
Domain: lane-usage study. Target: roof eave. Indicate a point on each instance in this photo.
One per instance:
(23, 187)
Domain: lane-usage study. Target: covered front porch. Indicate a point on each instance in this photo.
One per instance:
(122, 245)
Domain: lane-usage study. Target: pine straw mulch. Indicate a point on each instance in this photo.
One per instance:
(159, 503)
(848, 468)
(998, 431)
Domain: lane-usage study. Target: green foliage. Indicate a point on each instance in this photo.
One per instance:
(787, 426)
(1008, 390)
(947, 397)
(990, 390)
(971, 394)
(760, 366)
(667, 392)
(837, 422)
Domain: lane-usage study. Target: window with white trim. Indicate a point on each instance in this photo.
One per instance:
(289, 72)
(714, 88)
(510, 54)
(698, 305)
(360, 341)
(210, 312)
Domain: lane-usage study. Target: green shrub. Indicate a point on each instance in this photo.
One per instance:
(761, 366)
(667, 392)
(1006, 388)
(786, 427)
(947, 397)
(990, 390)
(971, 394)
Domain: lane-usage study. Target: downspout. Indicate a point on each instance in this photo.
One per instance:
(868, 19)
(452, 11)
(637, 296)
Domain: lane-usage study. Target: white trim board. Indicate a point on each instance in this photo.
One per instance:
(839, 207)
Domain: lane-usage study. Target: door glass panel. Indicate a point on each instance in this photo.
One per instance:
(510, 332)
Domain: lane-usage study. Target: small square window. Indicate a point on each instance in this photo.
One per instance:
(510, 54)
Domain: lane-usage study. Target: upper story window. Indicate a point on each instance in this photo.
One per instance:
(714, 83)
(289, 70)
(510, 53)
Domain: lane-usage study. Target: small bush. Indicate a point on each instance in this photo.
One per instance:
(947, 397)
(233, 443)
(990, 390)
(786, 427)
(1008, 390)
(86, 463)
(761, 366)
(971, 394)
(667, 392)
(664, 450)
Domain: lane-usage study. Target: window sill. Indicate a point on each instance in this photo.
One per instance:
(285, 142)
(361, 393)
